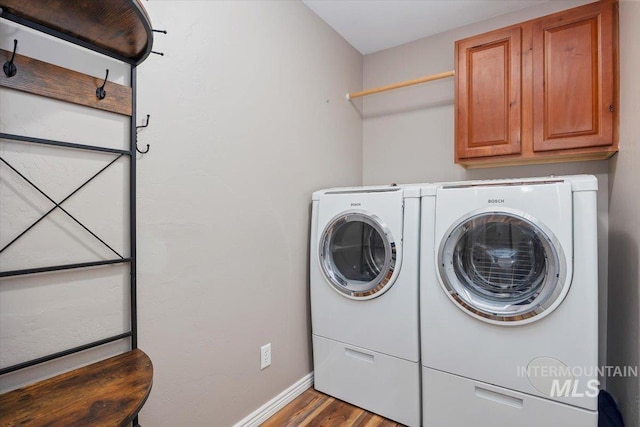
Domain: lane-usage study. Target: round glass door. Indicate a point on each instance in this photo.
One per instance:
(502, 266)
(358, 255)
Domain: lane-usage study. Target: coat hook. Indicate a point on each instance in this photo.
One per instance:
(142, 152)
(146, 123)
(158, 31)
(140, 127)
(9, 67)
(100, 92)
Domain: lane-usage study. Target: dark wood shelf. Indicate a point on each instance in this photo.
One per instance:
(117, 28)
(107, 393)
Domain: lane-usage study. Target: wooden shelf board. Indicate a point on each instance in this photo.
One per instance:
(107, 393)
(121, 27)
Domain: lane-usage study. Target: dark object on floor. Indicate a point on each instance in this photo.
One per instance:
(608, 413)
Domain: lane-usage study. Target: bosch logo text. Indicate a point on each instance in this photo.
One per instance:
(496, 200)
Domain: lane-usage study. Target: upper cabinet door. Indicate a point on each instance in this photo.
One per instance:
(573, 93)
(488, 94)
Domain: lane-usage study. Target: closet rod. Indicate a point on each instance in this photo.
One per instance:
(400, 84)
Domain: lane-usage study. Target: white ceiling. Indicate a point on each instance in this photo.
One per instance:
(373, 25)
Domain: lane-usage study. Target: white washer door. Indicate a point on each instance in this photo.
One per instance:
(503, 267)
(358, 255)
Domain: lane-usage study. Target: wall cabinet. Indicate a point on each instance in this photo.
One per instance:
(539, 92)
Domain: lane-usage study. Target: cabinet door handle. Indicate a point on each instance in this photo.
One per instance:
(611, 108)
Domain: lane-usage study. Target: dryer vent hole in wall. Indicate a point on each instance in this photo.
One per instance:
(265, 356)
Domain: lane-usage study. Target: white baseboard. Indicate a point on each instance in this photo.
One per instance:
(264, 412)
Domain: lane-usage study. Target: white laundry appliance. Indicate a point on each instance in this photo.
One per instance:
(364, 261)
(509, 303)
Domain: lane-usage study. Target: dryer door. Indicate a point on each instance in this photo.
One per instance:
(503, 267)
(358, 255)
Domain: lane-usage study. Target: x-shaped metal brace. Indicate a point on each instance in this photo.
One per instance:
(58, 205)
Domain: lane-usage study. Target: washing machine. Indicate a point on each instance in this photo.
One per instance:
(509, 303)
(364, 260)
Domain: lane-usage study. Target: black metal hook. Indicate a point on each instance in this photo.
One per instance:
(9, 67)
(100, 92)
(158, 31)
(142, 152)
(146, 123)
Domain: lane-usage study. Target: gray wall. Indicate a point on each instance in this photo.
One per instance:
(248, 117)
(624, 221)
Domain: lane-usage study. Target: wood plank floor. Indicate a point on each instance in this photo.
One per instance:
(315, 409)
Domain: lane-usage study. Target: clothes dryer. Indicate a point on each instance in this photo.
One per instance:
(509, 303)
(364, 261)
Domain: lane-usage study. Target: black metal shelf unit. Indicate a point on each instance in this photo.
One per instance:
(132, 333)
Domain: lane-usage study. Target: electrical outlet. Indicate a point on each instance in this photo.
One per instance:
(265, 356)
